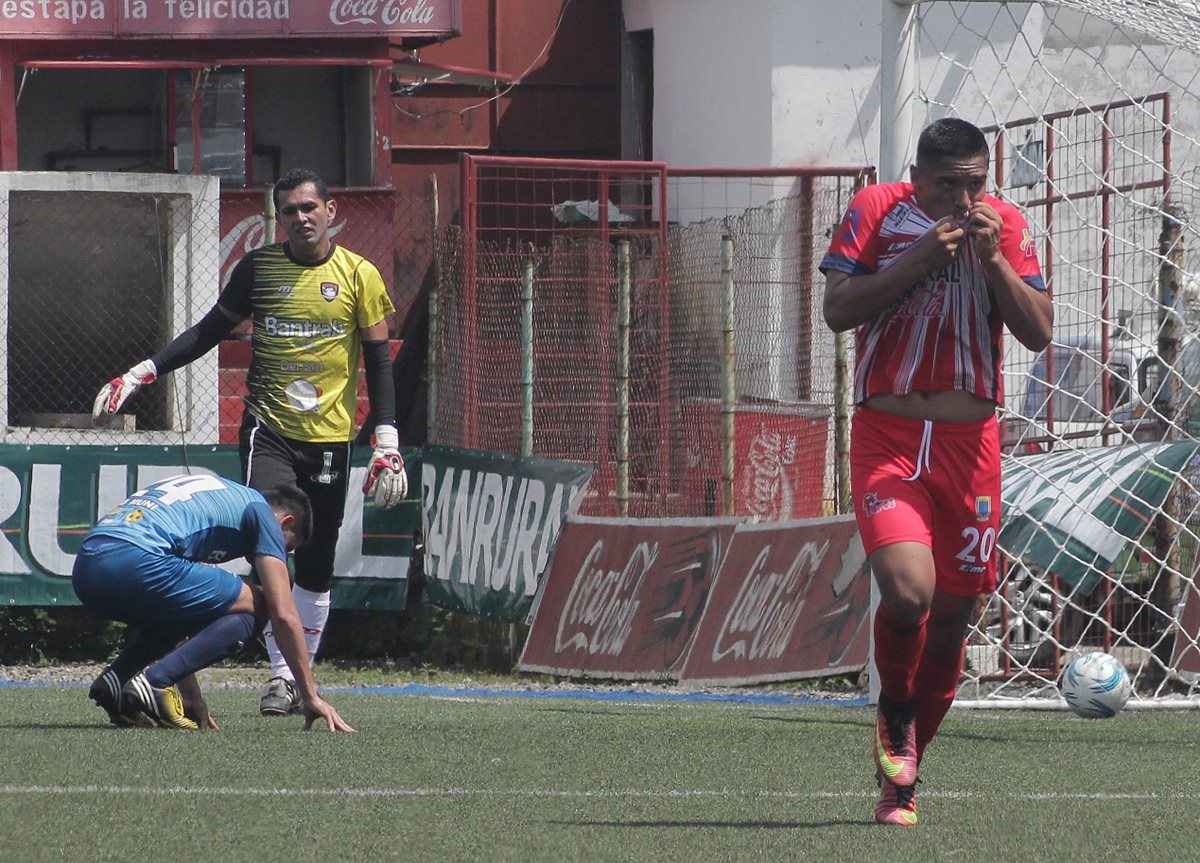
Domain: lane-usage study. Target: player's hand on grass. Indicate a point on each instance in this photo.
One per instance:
(198, 713)
(116, 392)
(385, 474)
(318, 708)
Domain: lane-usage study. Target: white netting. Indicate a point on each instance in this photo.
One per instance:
(1096, 125)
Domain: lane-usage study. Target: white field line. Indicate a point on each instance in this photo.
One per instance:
(548, 793)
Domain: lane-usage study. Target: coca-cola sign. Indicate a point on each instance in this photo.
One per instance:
(168, 19)
(790, 601)
(623, 599)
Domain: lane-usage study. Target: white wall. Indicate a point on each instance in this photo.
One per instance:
(763, 82)
(713, 87)
(796, 82)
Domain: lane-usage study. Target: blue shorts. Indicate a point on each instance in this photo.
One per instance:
(149, 590)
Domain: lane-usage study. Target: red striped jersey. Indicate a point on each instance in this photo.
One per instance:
(944, 332)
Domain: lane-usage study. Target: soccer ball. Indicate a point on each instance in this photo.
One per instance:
(1095, 685)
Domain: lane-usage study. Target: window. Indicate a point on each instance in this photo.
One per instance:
(83, 305)
(252, 122)
(211, 104)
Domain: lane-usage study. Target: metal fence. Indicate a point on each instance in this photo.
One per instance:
(609, 327)
(101, 270)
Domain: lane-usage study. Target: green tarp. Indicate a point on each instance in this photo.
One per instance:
(1073, 512)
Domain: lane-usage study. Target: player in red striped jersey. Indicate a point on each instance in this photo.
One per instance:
(928, 272)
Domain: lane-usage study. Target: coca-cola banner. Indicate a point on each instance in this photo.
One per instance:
(791, 601)
(167, 19)
(623, 599)
(490, 522)
(703, 601)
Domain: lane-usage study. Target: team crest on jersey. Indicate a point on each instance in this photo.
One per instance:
(329, 290)
(1027, 242)
(849, 228)
(983, 508)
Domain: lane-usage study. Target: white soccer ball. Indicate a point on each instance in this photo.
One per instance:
(1095, 685)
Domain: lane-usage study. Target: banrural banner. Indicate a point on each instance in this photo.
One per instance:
(51, 495)
(489, 524)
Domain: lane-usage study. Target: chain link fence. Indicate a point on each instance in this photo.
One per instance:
(643, 403)
(102, 270)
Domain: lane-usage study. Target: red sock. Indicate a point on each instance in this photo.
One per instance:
(935, 685)
(898, 648)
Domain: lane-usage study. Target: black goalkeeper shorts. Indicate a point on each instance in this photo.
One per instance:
(322, 470)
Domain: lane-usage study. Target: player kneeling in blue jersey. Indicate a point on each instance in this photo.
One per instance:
(152, 563)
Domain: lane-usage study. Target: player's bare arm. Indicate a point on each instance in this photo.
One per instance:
(1028, 313)
(276, 594)
(851, 301)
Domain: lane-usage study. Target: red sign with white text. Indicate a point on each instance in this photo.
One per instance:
(622, 599)
(702, 601)
(166, 19)
(364, 224)
(791, 601)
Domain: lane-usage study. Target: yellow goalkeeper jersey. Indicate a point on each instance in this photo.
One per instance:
(303, 378)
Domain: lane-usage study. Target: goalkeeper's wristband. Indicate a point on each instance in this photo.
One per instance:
(386, 437)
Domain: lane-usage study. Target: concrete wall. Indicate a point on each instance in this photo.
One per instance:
(797, 82)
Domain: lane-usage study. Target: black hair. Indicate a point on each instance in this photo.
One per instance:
(951, 138)
(298, 177)
(291, 500)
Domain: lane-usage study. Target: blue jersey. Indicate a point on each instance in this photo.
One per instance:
(197, 517)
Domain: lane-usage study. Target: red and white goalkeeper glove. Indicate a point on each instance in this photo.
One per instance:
(385, 473)
(115, 393)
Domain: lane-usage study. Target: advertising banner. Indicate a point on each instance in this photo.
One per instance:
(790, 601)
(704, 601)
(237, 19)
(623, 599)
(490, 523)
(51, 495)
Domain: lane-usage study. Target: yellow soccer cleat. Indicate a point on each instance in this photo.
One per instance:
(163, 707)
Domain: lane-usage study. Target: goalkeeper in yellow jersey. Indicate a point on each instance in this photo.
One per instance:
(316, 308)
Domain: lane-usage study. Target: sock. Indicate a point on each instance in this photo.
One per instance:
(221, 638)
(313, 608)
(139, 651)
(936, 684)
(898, 649)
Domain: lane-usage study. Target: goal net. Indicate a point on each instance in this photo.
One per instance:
(1093, 112)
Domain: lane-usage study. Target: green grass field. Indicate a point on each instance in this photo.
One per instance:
(463, 777)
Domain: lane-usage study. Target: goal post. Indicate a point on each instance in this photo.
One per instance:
(1093, 110)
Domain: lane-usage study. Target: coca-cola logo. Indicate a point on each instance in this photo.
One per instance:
(383, 12)
(247, 235)
(598, 615)
(766, 488)
(761, 619)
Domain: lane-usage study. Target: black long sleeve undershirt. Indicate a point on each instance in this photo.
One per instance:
(381, 391)
(194, 342)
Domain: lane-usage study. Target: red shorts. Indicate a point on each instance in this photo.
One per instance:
(936, 483)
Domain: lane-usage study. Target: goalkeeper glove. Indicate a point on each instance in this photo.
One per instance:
(115, 393)
(385, 474)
